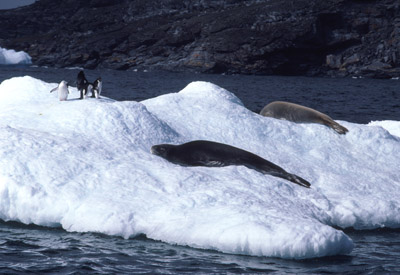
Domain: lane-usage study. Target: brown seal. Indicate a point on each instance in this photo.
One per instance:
(300, 114)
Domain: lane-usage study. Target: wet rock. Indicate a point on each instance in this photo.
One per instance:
(303, 37)
(334, 61)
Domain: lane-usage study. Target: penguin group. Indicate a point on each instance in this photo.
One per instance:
(83, 85)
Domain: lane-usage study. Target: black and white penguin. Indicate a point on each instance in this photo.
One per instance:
(83, 85)
(62, 89)
(97, 86)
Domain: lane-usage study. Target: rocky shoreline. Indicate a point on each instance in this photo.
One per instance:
(327, 38)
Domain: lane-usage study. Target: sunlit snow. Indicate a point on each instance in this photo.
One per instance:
(392, 126)
(11, 57)
(86, 165)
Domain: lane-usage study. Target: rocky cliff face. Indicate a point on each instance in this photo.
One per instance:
(289, 37)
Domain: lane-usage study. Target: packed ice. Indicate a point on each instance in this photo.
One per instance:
(12, 57)
(85, 165)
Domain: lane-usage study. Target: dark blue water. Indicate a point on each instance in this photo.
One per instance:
(354, 100)
(45, 250)
(33, 249)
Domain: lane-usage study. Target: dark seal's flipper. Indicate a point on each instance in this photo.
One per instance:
(214, 154)
(266, 167)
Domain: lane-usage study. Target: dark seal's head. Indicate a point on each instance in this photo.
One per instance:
(161, 150)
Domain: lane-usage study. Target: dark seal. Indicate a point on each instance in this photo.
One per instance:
(300, 114)
(214, 154)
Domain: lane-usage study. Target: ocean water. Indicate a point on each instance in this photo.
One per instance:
(40, 249)
(354, 100)
(47, 250)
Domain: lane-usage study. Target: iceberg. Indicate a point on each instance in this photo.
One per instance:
(393, 127)
(85, 165)
(11, 57)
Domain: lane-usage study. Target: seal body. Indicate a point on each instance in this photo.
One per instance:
(62, 90)
(214, 154)
(300, 114)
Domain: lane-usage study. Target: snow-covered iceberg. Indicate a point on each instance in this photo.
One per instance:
(86, 165)
(11, 57)
(392, 126)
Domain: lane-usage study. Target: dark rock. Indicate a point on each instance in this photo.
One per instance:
(302, 37)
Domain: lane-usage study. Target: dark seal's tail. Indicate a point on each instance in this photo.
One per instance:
(298, 180)
(277, 171)
(290, 177)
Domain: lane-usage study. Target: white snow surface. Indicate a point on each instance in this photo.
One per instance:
(11, 57)
(390, 125)
(86, 165)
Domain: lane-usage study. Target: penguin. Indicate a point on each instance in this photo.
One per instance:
(83, 85)
(62, 90)
(97, 86)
